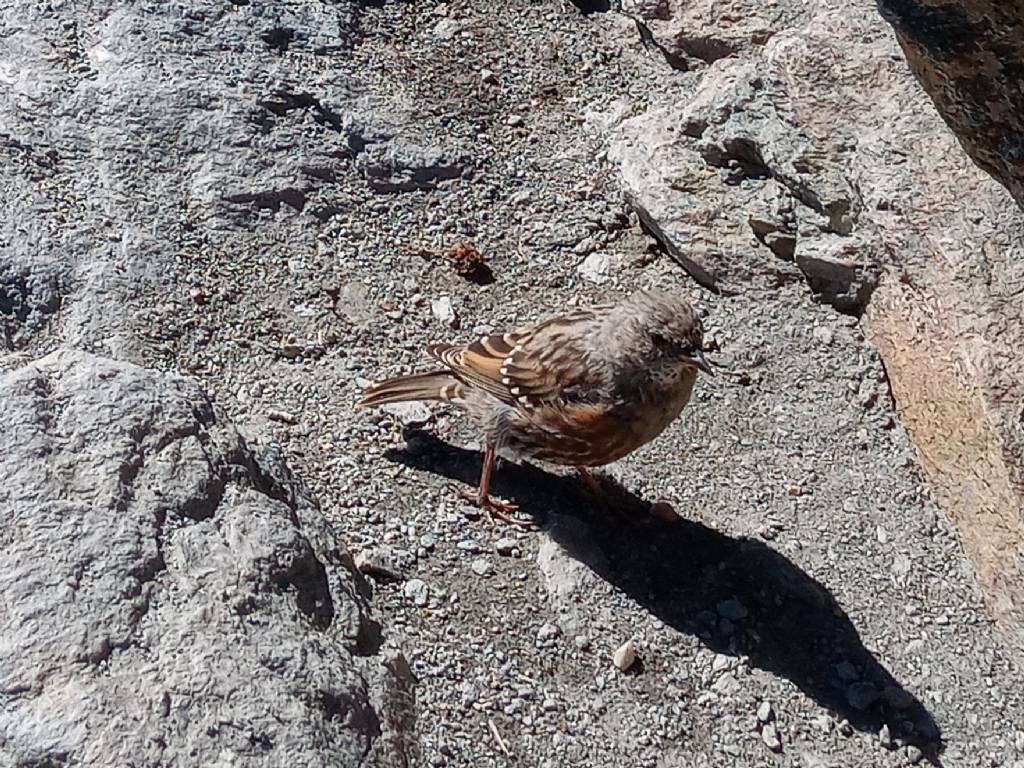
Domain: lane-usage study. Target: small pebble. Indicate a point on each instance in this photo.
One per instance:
(765, 712)
(823, 723)
(446, 29)
(899, 698)
(770, 737)
(613, 220)
(282, 416)
(290, 346)
(595, 267)
(846, 671)
(584, 246)
(823, 335)
(443, 311)
(383, 562)
(625, 655)
(482, 567)
(411, 414)
(417, 591)
(727, 685)
(469, 694)
(506, 547)
(548, 631)
(885, 737)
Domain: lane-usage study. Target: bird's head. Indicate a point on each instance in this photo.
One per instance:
(670, 327)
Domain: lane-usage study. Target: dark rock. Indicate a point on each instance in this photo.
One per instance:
(969, 57)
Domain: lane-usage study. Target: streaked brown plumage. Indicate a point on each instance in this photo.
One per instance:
(583, 389)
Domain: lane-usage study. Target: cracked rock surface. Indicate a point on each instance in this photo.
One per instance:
(169, 597)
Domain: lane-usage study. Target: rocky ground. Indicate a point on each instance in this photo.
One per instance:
(282, 233)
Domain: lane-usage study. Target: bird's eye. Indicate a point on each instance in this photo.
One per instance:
(663, 343)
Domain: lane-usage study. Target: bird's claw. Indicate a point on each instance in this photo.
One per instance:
(498, 510)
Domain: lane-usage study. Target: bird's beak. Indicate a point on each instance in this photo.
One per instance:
(699, 362)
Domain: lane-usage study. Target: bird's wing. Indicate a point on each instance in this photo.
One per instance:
(526, 367)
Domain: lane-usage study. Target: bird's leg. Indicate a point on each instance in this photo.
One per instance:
(500, 510)
(592, 482)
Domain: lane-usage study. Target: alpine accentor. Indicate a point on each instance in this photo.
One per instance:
(583, 389)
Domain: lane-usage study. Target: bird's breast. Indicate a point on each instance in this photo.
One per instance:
(660, 406)
(594, 434)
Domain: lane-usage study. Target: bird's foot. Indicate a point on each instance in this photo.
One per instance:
(498, 510)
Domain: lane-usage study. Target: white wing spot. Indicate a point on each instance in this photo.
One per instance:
(515, 391)
(506, 380)
(504, 372)
(524, 400)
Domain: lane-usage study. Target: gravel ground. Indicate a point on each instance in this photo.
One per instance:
(811, 607)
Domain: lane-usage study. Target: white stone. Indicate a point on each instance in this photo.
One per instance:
(625, 655)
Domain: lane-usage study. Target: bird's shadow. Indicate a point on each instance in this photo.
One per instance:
(737, 595)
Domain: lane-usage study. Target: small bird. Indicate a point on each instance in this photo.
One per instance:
(583, 389)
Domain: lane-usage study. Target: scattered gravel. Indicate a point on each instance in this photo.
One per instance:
(770, 580)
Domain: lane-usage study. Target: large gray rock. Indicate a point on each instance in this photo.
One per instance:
(134, 132)
(168, 596)
(813, 153)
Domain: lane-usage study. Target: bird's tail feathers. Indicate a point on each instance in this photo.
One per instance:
(435, 385)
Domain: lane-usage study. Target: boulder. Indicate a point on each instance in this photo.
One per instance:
(170, 595)
(816, 150)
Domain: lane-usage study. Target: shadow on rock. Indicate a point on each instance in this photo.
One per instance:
(737, 595)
